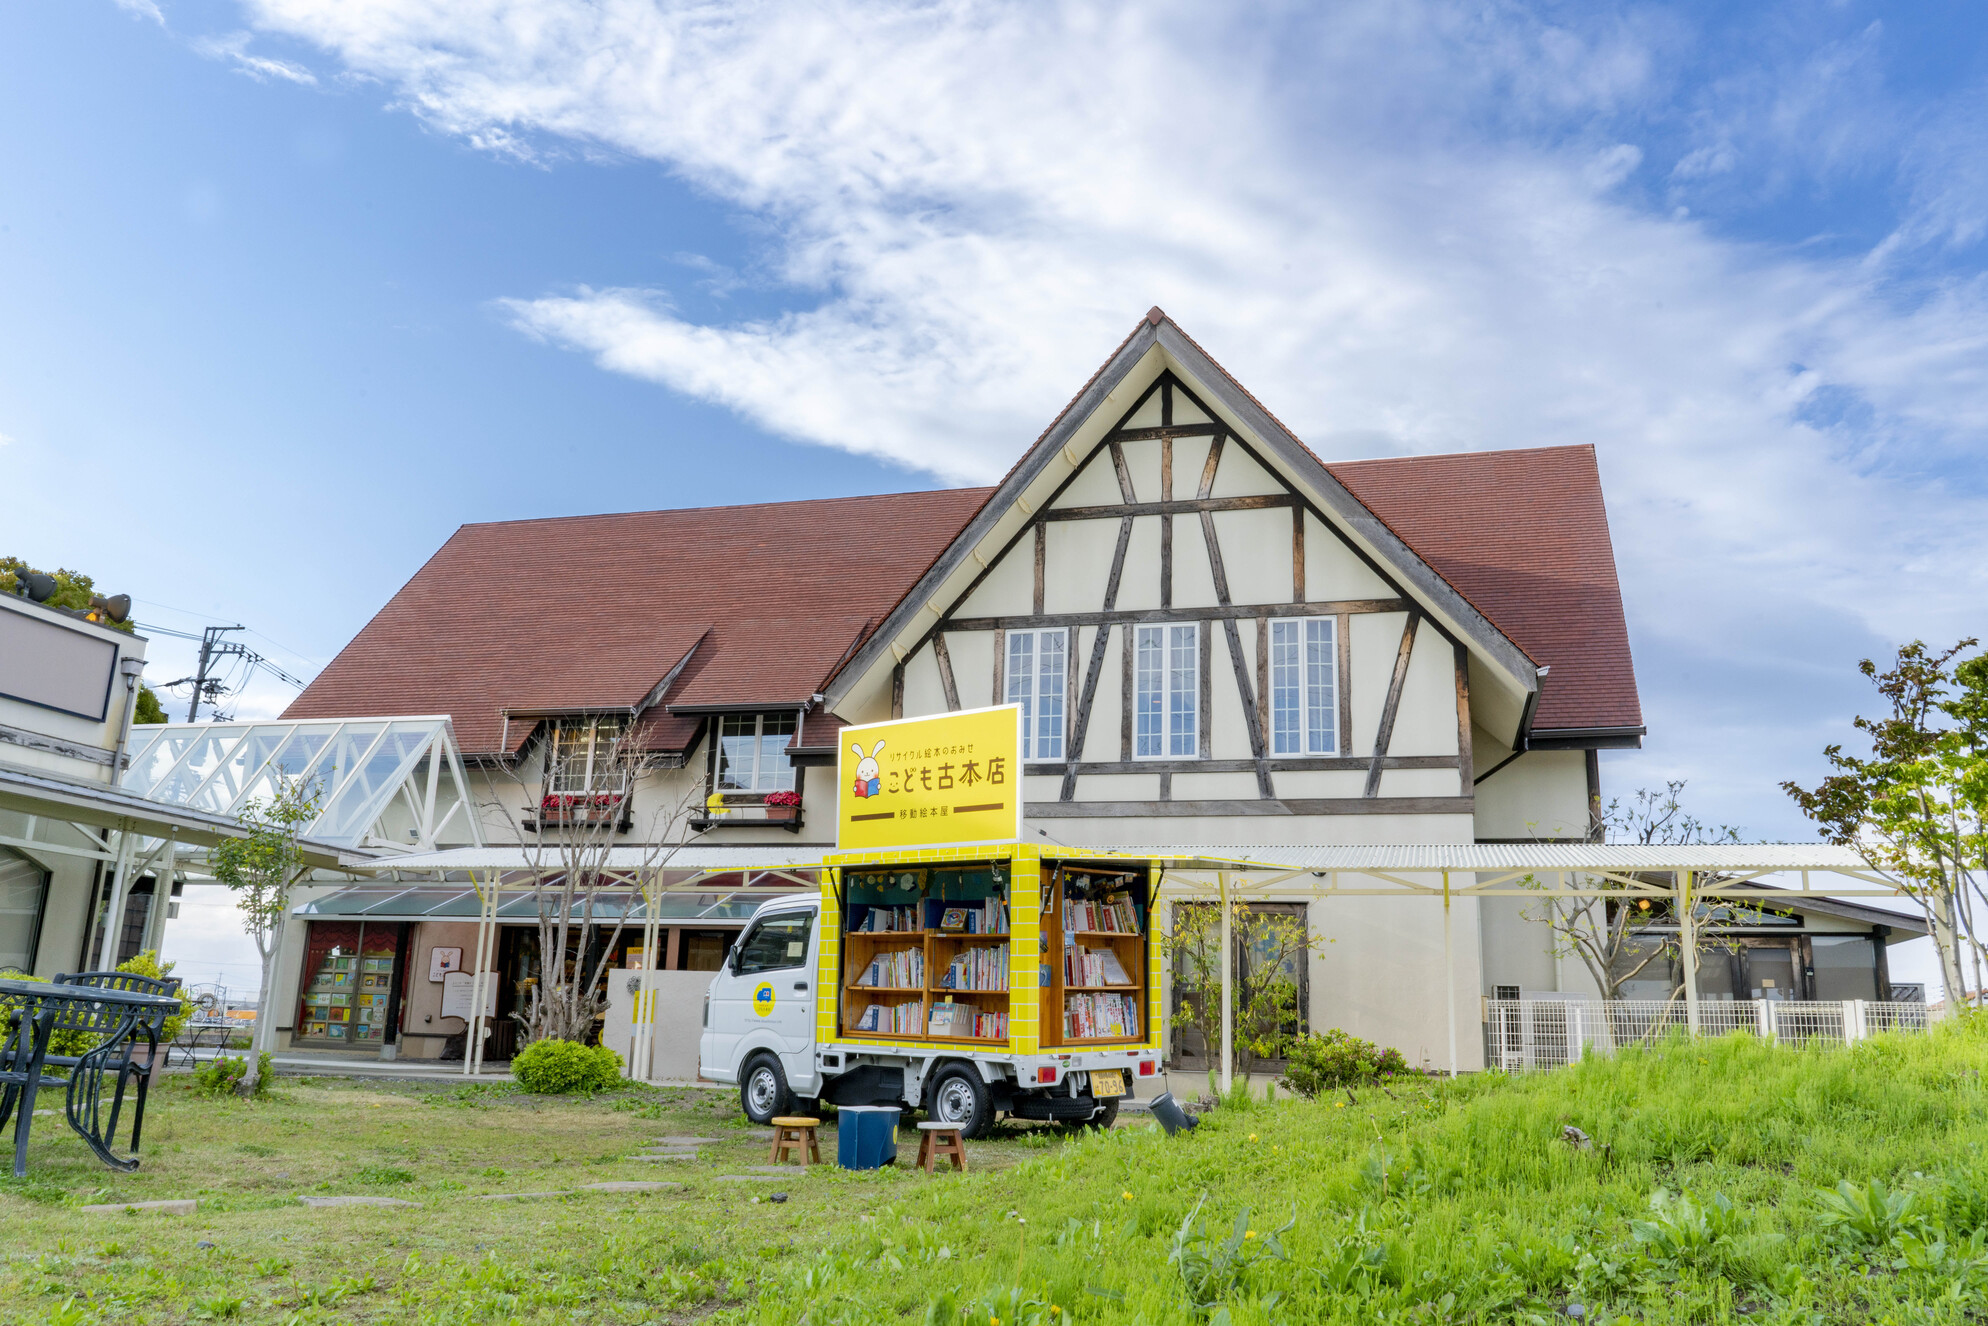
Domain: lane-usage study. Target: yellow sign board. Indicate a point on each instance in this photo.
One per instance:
(942, 781)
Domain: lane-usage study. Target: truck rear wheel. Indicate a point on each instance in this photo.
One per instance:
(1107, 1114)
(763, 1093)
(959, 1097)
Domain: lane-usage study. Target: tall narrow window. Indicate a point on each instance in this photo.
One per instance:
(1037, 672)
(1166, 698)
(1304, 712)
(752, 753)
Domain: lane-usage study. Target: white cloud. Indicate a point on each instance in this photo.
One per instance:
(1386, 219)
(142, 9)
(5, 440)
(234, 48)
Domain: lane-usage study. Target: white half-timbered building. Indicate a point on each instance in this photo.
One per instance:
(1218, 638)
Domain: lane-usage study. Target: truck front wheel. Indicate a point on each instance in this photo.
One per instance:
(763, 1092)
(960, 1097)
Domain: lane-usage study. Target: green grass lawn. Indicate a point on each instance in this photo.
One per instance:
(1696, 1201)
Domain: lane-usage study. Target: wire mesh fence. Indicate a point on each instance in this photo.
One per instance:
(1523, 1034)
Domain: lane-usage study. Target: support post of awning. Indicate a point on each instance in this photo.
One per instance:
(1449, 972)
(1687, 938)
(479, 984)
(642, 1057)
(114, 904)
(1228, 990)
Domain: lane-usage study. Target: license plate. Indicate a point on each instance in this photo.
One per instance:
(1107, 1082)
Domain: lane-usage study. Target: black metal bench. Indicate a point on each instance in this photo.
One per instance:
(117, 1010)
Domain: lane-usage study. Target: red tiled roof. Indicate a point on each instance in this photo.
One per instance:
(591, 612)
(1524, 536)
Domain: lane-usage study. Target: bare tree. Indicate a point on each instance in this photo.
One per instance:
(589, 861)
(1610, 935)
(1268, 947)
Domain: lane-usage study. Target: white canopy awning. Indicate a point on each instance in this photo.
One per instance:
(41, 796)
(696, 858)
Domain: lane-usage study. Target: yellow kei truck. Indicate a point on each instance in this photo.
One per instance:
(968, 982)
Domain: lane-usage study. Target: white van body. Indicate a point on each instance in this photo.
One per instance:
(768, 1046)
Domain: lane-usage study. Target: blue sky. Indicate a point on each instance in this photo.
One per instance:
(289, 288)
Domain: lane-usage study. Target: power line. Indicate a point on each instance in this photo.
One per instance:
(206, 686)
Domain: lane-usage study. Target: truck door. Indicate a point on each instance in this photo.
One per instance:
(765, 998)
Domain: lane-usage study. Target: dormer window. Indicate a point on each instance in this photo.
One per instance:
(580, 757)
(752, 753)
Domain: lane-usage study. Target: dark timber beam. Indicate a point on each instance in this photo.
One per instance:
(1156, 616)
(1164, 433)
(1463, 737)
(1188, 507)
(1278, 764)
(1073, 745)
(1394, 688)
(945, 660)
(1338, 806)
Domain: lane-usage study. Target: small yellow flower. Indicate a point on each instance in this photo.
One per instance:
(1127, 1196)
(1338, 1104)
(1055, 1311)
(1252, 1137)
(1249, 1234)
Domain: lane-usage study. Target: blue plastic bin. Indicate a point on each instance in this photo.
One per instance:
(865, 1136)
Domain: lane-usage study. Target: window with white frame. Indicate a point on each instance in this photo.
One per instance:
(1304, 686)
(1038, 670)
(752, 753)
(580, 757)
(1166, 702)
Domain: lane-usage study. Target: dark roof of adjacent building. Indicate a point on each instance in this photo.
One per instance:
(1524, 536)
(592, 613)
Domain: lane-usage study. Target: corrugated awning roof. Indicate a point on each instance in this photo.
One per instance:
(1617, 858)
(686, 861)
(372, 902)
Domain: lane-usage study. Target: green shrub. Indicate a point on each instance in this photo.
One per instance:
(221, 1075)
(556, 1068)
(1324, 1060)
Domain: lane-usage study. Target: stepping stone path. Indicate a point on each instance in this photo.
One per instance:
(667, 1155)
(317, 1202)
(517, 1196)
(748, 1178)
(689, 1141)
(182, 1207)
(630, 1187)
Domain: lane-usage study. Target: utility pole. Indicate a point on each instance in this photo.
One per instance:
(206, 686)
(212, 646)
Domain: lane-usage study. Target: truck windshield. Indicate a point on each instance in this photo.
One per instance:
(776, 942)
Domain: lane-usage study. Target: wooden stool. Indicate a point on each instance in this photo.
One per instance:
(940, 1139)
(792, 1132)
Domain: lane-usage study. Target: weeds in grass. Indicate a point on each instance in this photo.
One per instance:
(1210, 1269)
(1868, 1216)
(381, 1176)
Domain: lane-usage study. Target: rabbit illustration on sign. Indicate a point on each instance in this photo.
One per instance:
(868, 781)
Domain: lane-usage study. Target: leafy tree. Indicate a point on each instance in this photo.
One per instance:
(149, 708)
(261, 867)
(1916, 808)
(1268, 948)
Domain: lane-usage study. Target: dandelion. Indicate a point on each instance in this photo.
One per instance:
(1252, 1137)
(1249, 1234)
(1127, 1196)
(1055, 1311)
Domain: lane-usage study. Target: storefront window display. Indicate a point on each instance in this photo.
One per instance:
(350, 986)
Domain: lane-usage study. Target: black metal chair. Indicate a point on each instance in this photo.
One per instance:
(116, 1029)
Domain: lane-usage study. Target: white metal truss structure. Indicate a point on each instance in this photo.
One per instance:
(383, 782)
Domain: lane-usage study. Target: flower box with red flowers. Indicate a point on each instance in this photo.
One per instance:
(581, 807)
(782, 805)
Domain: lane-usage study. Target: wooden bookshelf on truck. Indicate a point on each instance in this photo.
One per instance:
(1014, 951)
